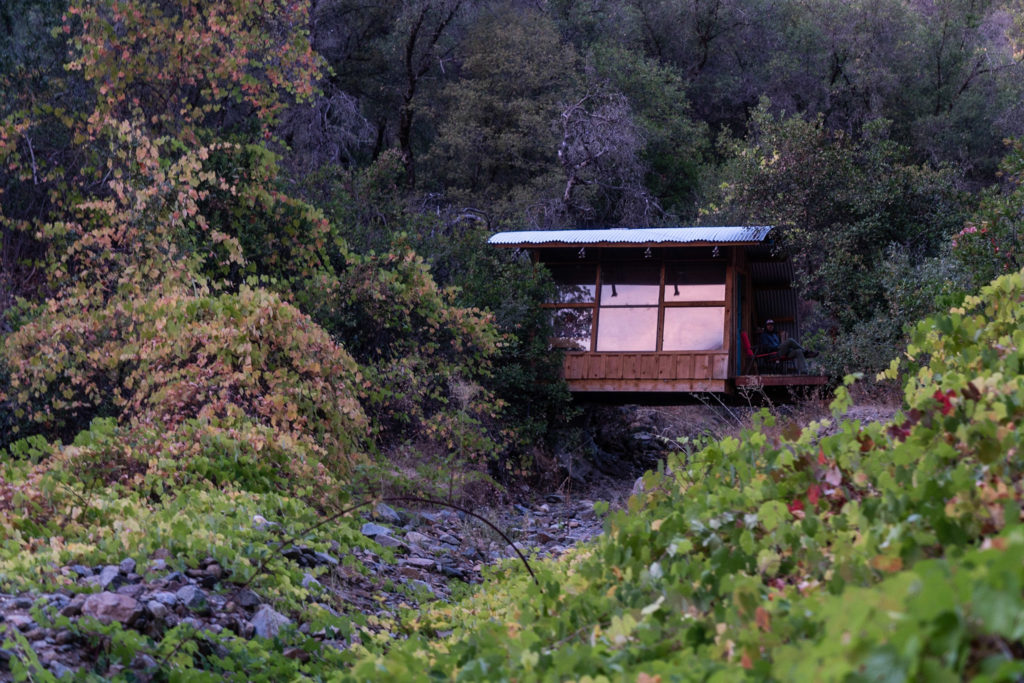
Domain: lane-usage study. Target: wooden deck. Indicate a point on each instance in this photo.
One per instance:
(658, 372)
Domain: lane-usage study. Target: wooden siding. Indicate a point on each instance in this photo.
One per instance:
(649, 371)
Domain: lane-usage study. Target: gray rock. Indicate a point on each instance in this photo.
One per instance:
(370, 529)
(22, 622)
(192, 597)
(423, 585)
(416, 538)
(165, 597)
(74, 608)
(421, 562)
(309, 581)
(429, 517)
(158, 565)
(108, 607)
(144, 661)
(127, 565)
(22, 603)
(449, 539)
(389, 542)
(59, 670)
(267, 622)
(135, 590)
(58, 601)
(387, 513)
(324, 558)
(81, 570)
(109, 575)
(157, 609)
(247, 599)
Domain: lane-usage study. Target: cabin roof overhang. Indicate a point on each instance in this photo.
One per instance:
(635, 237)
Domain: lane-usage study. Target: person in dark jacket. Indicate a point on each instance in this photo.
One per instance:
(788, 350)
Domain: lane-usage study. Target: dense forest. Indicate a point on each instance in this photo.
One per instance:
(243, 273)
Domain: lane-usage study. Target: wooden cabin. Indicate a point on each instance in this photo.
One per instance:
(664, 309)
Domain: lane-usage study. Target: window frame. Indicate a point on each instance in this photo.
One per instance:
(662, 305)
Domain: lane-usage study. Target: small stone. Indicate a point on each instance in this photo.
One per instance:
(23, 603)
(410, 572)
(165, 597)
(429, 517)
(421, 562)
(144, 661)
(108, 607)
(389, 542)
(370, 529)
(423, 585)
(158, 565)
(109, 575)
(544, 508)
(157, 609)
(134, 590)
(322, 558)
(22, 622)
(453, 572)
(214, 570)
(574, 523)
(127, 566)
(449, 539)
(81, 570)
(60, 670)
(387, 513)
(308, 580)
(58, 600)
(35, 634)
(247, 599)
(555, 498)
(74, 608)
(267, 622)
(64, 637)
(416, 538)
(192, 597)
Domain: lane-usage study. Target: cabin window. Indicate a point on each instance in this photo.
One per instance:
(694, 329)
(694, 282)
(628, 317)
(625, 307)
(571, 328)
(574, 283)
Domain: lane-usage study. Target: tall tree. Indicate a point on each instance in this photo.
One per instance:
(497, 139)
(840, 204)
(384, 54)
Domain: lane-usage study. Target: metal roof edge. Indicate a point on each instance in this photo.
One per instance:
(680, 236)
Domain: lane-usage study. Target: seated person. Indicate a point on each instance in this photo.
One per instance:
(787, 350)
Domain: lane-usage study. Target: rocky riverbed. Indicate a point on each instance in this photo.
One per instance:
(430, 549)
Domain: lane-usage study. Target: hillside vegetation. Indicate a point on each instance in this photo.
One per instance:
(245, 294)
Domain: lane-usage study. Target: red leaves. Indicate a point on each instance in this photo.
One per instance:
(946, 406)
(813, 494)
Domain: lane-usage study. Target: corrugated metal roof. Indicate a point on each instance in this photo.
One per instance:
(633, 236)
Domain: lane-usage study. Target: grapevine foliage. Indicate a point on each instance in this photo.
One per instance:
(853, 552)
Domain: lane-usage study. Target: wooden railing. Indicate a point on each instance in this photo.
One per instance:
(662, 371)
